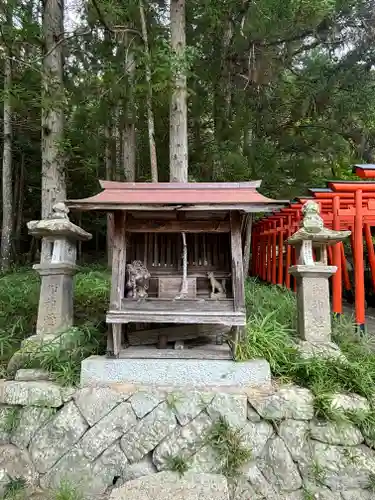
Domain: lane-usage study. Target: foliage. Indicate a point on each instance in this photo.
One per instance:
(177, 463)
(11, 420)
(227, 442)
(279, 90)
(62, 359)
(270, 334)
(66, 491)
(15, 489)
(19, 295)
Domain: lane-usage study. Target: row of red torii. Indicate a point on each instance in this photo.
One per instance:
(344, 205)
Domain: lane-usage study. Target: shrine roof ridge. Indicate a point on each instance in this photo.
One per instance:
(160, 186)
(320, 190)
(369, 166)
(121, 195)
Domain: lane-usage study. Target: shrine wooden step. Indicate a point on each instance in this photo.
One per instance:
(208, 312)
(208, 351)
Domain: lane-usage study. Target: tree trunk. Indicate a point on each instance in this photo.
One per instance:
(128, 150)
(19, 199)
(150, 113)
(117, 139)
(128, 122)
(222, 103)
(109, 177)
(7, 223)
(178, 138)
(178, 134)
(53, 173)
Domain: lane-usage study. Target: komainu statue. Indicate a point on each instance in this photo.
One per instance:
(136, 280)
(217, 289)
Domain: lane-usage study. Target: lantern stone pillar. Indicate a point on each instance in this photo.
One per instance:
(55, 311)
(313, 301)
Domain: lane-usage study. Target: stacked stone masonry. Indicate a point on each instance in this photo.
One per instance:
(118, 443)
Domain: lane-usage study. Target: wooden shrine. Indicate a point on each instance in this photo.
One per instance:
(177, 254)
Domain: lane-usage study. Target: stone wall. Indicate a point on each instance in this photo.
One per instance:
(102, 440)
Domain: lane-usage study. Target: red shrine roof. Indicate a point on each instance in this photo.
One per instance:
(366, 171)
(123, 195)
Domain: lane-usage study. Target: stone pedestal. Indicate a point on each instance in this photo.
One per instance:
(55, 312)
(182, 373)
(313, 305)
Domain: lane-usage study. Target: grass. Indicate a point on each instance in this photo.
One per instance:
(19, 295)
(63, 358)
(365, 421)
(271, 334)
(307, 495)
(66, 491)
(12, 419)
(172, 400)
(227, 442)
(177, 464)
(317, 472)
(15, 489)
(371, 483)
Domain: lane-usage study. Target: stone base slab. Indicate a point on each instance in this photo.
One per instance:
(101, 371)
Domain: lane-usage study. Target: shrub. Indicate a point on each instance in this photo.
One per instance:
(271, 333)
(19, 296)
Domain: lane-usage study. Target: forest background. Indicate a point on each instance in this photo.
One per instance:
(279, 90)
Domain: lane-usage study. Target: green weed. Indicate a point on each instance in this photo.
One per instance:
(177, 464)
(317, 472)
(19, 296)
(66, 491)
(15, 489)
(365, 421)
(172, 400)
(11, 420)
(323, 408)
(271, 334)
(307, 495)
(63, 358)
(371, 483)
(269, 339)
(227, 442)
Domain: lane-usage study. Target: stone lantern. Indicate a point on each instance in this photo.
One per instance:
(313, 303)
(55, 312)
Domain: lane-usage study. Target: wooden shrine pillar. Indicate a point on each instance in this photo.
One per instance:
(371, 252)
(359, 269)
(118, 280)
(269, 252)
(336, 260)
(238, 283)
(288, 252)
(281, 253)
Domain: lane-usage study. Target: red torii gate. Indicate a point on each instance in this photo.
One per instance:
(344, 205)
